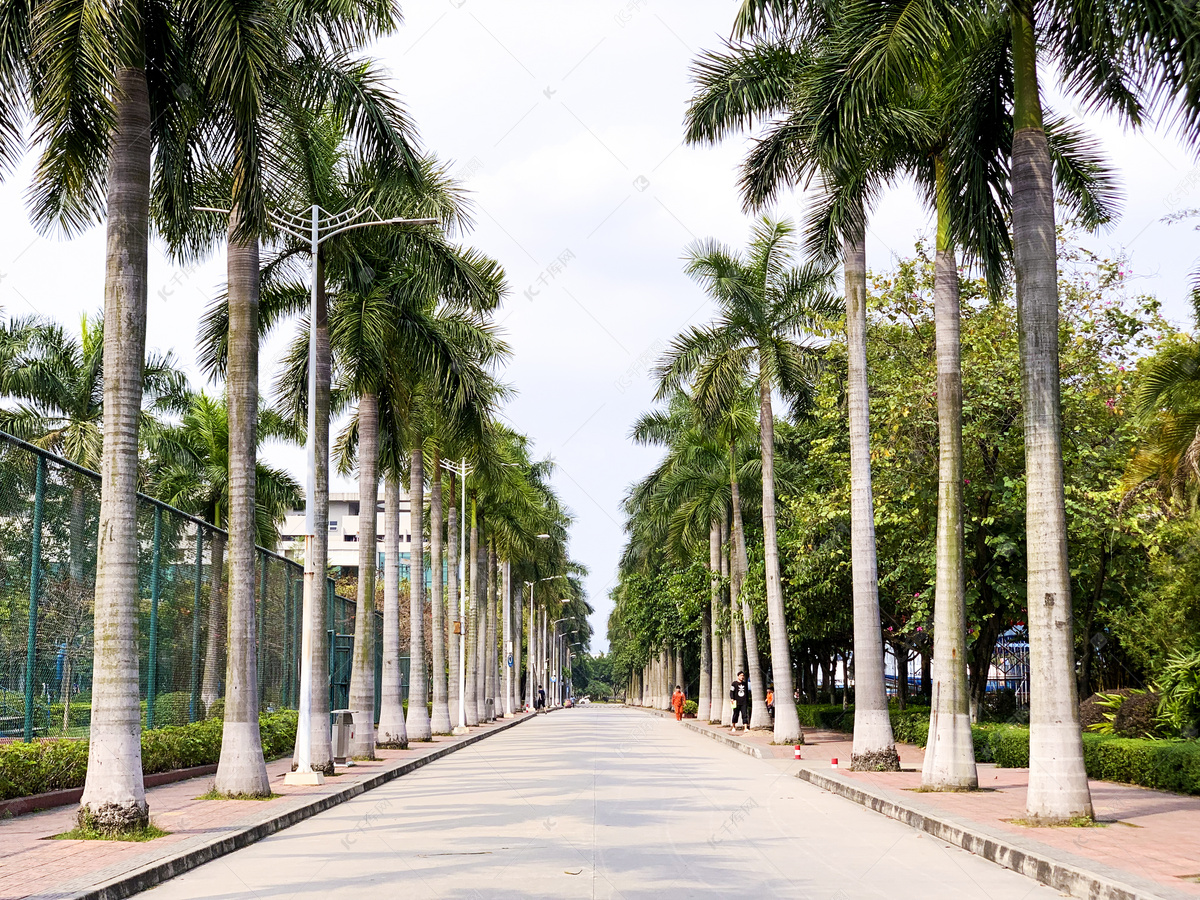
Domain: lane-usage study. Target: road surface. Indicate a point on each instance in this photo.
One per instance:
(600, 802)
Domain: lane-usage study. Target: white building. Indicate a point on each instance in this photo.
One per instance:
(344, 514)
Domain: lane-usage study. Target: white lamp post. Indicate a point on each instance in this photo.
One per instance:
(532, 664)
(316, 227)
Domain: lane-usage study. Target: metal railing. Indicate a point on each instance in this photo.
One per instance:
(49, 509)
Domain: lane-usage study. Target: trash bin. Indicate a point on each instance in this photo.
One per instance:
(343, 733)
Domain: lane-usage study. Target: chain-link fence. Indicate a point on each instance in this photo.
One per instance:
(49, 510)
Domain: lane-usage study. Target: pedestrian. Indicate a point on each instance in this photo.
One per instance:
(740, 700)
(771, 701)
(541, 698)
(677, 703)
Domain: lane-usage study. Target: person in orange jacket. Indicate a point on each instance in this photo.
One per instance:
(677, 702)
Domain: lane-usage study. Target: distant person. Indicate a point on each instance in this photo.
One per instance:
(771, 701)
(740, 700)
(541, 698)
(677, 703)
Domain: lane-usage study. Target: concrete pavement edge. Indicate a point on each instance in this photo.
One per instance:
(142, 879)
(1060, 870)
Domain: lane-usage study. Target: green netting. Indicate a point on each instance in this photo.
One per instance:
(49, 512)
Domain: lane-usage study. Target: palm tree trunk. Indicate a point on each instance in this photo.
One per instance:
(440, 722)
(417, 722)
(241, 770)
(393, 733)
(114, 796)
(728, 660)
(472, 649)
(874, 746)
(759, 716)
(704, 700)
(518, 629)
(716, 687)
(362, 670)
(314, 585)
(489, 656)
(1058, 788)
(507, 665)
(454, 601)
(214, 641)
(950, 751)
(737, 632)
(787, 720)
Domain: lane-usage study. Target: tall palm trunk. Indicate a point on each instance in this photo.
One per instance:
(518, 629)
(759, 716)
(392, 731)
(480, 597)
(439, 722)
(241, 770)
(214, 641)
(315, 596)
(454, 600)
(950, 751)
(418, 690)
(362, 670)
(492, 685)
(506, 639)
(114, 795)
(737, 630)
(728, 663)
(787, 720)
(717, 687)
(1058, 787)
(471, 700)
(704, 702)
(874, 746)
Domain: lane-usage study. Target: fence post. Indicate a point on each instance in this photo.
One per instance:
(195, 700)
(35, 576)
(262, 629)
(152, 665)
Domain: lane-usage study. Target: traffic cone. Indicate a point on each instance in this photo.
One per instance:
(797, 751)
(833, 763)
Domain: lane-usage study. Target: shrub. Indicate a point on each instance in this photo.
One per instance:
(999, 706)
(50, 765)
(1091, 712)
(1137, 717)
(830, 717)
(173, 709)
(690, 707)
(911, 726)
(216, 709)
(1179, 683)
(1164, 765)
(1010, 746)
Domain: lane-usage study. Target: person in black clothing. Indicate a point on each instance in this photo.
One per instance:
(541, 698)
(739, 697)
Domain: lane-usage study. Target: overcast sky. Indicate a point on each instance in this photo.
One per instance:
(565, 120)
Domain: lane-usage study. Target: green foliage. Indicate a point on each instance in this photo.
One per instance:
(1162, 765)
(690, 707)
(216, 709)
(1179, 684)
(1010, 747)
(172, 708)
(50, 765)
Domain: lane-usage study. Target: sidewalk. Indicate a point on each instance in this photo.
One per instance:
(200, 830)
(1148, 844)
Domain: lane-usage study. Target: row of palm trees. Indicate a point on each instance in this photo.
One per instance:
(848, 98)
(150, 116)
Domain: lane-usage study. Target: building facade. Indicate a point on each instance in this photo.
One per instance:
(345, 513)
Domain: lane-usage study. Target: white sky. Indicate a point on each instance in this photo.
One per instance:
(564, 120)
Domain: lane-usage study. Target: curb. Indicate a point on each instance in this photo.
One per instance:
(727, 739)
(1062, 871)
(162, 870)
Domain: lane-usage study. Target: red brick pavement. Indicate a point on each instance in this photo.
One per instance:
(1151, 834)
(33, 866)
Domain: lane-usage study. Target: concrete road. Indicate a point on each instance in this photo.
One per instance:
(600, 802)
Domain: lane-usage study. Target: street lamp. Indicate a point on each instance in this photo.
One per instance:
(462, 470)
(555, 661)
(317, 227)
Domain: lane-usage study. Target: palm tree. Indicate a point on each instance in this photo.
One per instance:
(190, 469)
(766, 310)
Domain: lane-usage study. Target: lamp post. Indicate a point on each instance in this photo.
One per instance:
(316, 227)
(554, 660)
(462, 470)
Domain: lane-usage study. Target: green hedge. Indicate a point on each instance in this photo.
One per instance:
(1160, 764)
(50, 765)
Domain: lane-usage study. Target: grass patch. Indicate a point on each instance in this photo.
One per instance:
(214, 794)
(1079, 822)
(139, 835)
